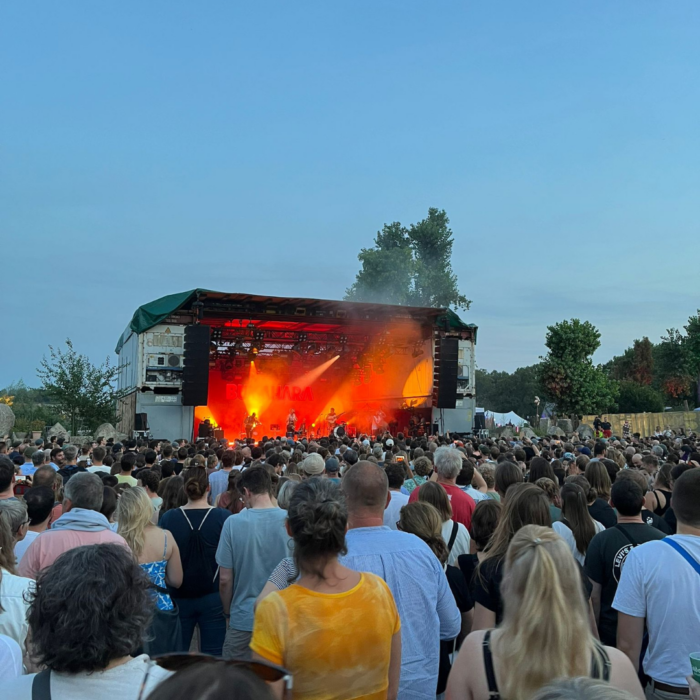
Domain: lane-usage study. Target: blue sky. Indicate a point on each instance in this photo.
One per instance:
(149, 148)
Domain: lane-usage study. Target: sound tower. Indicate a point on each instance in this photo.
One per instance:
(447, 374)
(195, 370)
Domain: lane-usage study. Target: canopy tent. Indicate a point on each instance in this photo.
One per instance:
(500, 419)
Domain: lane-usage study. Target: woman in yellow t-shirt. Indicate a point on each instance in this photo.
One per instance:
(336, 630)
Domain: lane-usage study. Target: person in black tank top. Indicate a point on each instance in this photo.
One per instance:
(545, 633)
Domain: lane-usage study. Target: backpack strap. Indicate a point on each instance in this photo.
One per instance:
(41, 685)
(623, 530)
(683, 552)
(488, 668)
(453, 536)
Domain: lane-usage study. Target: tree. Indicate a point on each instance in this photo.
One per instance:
(410, 265)
(32, 407)
(674, 365)
(639, 398)
(567, 373)
(84, 392)
(692, 342)
(503, 392)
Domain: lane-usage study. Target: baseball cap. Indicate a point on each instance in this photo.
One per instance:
(350, 457)
(585, 451)
(568, 455)
(313, 465)
(389, 443)
(332, 465)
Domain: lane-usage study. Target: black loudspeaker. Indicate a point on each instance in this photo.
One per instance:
(479, 421)
(195, 369)
(141, 421)
(447, 379)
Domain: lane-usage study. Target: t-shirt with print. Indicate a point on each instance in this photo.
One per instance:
(651, 518)
(659, 584)
(253, 542)
(462, 504)
(605, 558)
(336, 645)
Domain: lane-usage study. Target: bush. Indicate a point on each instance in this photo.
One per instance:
(638, 398)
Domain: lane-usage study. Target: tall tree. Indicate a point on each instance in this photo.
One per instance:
(503, 392)
(692, 341)
(81, 390)
(674, 365)
(410, 265)
(567, 373)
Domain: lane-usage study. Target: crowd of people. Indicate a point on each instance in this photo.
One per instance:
(375, 567)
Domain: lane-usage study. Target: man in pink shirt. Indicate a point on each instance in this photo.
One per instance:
(81, 524)
(448, 464)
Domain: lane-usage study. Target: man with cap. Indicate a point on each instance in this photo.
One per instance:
(312, 466)
(332, 470)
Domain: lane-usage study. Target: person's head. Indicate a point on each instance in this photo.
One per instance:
(366, 490)
(448, 463)
(182, 454)
(650, 463)
(423, 467)
(254, 482)
(466, 474)
(551, 489)
(45, 476)
(134, 513)
(7, 474)
(70, 454)
(317, 519)
(627, 494)
(40, 502)
(98, 454)
(332, 469)
(150, 480)
(228, 459)
(221, 681)
(83, 490)
(151, 457)
(128, 461)
(686, 498)
(484, 521)
(396, 475)
(505, 476)
(431, 492)
(423, 520)
(488, 473)
(313, 465)
(541, 468)
(285, 494)
(38, 458)
(172, 491)
(526, 505)
(599, 479)
(574, 508)
(580, 689)
(663, 477)
(599, 449)
(14, 513)
(196, 483)
(545, 632)
(109, 502)
(73, 633)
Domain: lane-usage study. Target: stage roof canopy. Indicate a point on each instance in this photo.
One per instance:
(222, 304)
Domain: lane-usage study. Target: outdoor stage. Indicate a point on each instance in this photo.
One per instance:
(377, 366)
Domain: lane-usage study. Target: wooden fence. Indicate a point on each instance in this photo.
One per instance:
(647, 423)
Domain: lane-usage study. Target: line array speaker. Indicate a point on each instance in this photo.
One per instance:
(447, 373)
(195, 370)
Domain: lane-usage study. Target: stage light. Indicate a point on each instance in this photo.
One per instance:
(251, 324)
(259, 335)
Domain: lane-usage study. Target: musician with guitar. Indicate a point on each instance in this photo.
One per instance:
(250, 423)
(331, 420)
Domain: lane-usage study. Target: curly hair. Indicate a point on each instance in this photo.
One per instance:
(318, 519)
(92, 605)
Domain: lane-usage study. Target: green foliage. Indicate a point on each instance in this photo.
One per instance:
(639, 398)
(567, 373)
(503, 392)
(410, 265)
(32, 407)
(84, 392)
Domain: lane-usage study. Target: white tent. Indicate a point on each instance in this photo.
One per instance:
(500, 419)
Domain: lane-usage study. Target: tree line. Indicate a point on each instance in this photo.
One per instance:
(647, 377)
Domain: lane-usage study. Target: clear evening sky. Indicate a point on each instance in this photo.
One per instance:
(152, 147)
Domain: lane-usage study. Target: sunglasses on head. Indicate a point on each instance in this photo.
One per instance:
(264, 670)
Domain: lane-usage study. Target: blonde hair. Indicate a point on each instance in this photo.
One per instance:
(424, 521)
(545, 632)
(599, 479)
(134, 513)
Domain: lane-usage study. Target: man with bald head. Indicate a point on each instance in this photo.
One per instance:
(412, 572)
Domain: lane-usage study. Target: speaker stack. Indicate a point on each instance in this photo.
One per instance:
(195, 370)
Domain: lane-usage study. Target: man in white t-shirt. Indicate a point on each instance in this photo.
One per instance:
(396, 474)
(98, 455)
(660, 588)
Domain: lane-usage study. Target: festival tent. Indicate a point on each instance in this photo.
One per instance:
(499, 419)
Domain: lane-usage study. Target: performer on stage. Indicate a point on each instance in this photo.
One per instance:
(331, 420)
(291, 422)
(205, 429)
(378, 421)
(250, 424)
